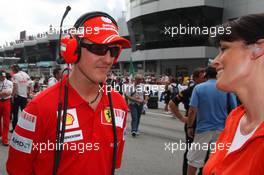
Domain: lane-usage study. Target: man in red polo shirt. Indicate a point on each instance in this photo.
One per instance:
(88, 139)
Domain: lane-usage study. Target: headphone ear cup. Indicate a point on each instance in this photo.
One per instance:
(68, 49)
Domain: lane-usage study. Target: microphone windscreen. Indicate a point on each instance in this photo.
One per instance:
(68, 8)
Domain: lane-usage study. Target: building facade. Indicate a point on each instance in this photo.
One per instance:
(171, 36)
(167, 36)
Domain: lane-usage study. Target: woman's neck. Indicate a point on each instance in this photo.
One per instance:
(253, 102)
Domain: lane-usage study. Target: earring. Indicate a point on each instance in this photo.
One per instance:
(256, 50)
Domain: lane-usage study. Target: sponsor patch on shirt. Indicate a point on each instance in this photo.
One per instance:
(71, 119)
(73, 136)
(21, 143)
(106, 118)
(27, 121)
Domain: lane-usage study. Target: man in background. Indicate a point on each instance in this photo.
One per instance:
(209, 106)
(137, 98)
(21, 91)
(56, 77)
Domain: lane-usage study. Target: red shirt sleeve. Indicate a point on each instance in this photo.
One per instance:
(24, 142)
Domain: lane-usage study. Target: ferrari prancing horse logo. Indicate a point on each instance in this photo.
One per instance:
(107, 115)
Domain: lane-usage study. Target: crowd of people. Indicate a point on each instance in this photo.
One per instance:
(17, 89)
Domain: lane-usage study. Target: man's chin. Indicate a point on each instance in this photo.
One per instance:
(101, 79)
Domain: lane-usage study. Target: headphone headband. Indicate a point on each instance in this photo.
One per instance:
(70, 45)
(90, 15)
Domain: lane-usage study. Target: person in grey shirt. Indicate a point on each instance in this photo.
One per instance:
(136, 99)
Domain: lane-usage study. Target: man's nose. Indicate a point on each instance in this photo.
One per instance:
(107, 59)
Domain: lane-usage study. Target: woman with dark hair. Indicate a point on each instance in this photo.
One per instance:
(240, 69)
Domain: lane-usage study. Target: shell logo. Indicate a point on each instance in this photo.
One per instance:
(69, 119)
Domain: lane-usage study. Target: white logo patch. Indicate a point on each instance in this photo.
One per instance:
(119, 117)
(27, 121)
(73, 136)
(71, 119)
(20, 143)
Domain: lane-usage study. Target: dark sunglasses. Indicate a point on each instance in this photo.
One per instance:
(101, 49)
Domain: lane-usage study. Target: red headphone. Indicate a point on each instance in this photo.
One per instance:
(70, 49)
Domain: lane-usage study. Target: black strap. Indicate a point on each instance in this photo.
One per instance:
(228, 105)
(114, 132)
(56, 156)
(60, 131)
